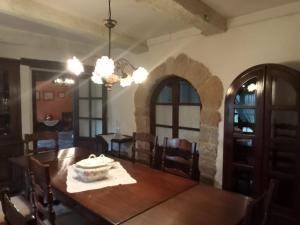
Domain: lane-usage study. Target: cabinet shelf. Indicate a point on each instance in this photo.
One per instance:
(242, 165)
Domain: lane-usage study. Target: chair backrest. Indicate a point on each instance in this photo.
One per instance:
(67, 120)
(145, 145)
(258, 210)
(40, 136)
(180, 157)
(11, 213)
(42, 196)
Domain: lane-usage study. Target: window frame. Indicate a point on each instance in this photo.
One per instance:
(90, 118)
(174, 81)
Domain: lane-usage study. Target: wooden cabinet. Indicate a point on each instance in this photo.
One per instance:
(262, 133)
(10, 121)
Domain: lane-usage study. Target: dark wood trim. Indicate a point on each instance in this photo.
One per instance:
(104, 109)
(165, 126)
(173, 81)
(188, 128)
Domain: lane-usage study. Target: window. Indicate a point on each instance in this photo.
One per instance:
(175, 110)
(91, 111)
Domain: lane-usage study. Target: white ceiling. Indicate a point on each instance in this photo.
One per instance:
(234, 8)
(136, 18)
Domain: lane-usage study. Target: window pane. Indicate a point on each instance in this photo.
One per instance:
(189, 116)
(96, 90)
(244, 151)
(163, 132)
(96, 108)
(244, 120)
(84, 88)
(165, 95)
(96, 127)
(190, 135)
(243, 181)
(84, 108)
(283, 93)
(164, 115)
(84, 128)
(187, 93)
(247, 94)
(284, 124)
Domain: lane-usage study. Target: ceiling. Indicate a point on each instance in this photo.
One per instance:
(138, 20)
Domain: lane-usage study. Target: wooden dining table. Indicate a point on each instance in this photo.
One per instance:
(156, 194)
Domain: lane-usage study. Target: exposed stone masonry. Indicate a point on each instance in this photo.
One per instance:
(210, 90)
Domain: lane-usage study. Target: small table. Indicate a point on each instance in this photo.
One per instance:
(110, 139)
(120, 140)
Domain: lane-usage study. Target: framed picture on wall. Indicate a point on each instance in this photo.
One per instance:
(61, 94)
(48, 95)
(37, 95)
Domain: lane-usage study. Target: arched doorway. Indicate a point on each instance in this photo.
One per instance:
(175, 110)
(209, 87)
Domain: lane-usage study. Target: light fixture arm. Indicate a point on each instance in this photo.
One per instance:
(109, 23)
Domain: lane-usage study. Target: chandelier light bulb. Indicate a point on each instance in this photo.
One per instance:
(140, 75)
(96, 78)
(75, 66)
(69, 81)
(251, 87)
(125, 82)
(104, 67)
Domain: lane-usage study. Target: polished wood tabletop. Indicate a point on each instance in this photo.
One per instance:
(112, 205)
(200, 205)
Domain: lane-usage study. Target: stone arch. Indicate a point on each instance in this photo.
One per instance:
(210, 90)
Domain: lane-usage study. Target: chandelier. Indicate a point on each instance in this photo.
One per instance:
(64, 81)
(107, 71)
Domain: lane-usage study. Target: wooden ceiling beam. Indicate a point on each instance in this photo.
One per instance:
(193, 12)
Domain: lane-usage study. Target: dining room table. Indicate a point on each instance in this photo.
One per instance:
(156, 197)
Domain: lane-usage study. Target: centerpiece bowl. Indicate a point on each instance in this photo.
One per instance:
(93, 168)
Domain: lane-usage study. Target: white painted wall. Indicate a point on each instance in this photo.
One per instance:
(275, 40)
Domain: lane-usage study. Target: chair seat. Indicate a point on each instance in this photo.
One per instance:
(21, 204)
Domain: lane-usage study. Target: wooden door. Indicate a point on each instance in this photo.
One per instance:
(281, 134)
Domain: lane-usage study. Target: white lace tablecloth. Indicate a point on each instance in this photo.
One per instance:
(116, 176)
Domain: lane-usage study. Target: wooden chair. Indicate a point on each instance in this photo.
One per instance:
(180, 157)
(259, 210)
(145, 145)
(42, 198)
(12, 215)
(40, 136)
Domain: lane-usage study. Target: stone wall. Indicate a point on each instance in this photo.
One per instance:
(210, 90)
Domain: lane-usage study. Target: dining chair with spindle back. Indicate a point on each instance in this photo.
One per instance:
(12, 214)
(259, 210)
(42, 198)
(144, 145)
(180, 157)
(32, 139)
